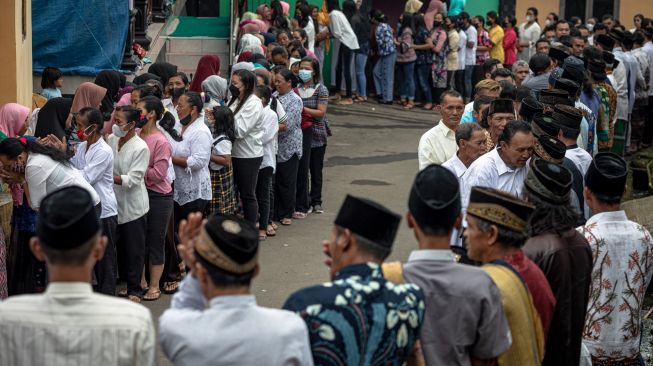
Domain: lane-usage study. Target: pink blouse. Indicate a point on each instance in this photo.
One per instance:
(156, 175)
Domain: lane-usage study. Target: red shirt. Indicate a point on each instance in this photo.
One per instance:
(538, 286)
(510, 46)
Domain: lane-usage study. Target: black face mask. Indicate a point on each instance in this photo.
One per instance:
(234, 91)
(177, 92)
(141, 122)
(186, 120)
(437, 24)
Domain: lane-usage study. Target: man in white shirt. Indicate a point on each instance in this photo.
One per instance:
(214, 319)
(648, 49)
(470, 53)
(94, 159)
(438, 144)
(503, 168)
(470, 140)
(567, 119)
(69, 324)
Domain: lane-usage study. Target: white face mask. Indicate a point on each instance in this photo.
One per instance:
(528, 18)
(547, 22)
(589, 26)
(119, 132)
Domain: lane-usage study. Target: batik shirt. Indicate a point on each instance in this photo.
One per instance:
(360, 318)
(384, 40)
(622, 252)
(605, 117)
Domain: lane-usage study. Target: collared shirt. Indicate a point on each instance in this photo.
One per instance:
(360, 318)
(566, 260)
(230, 330)
(384, 40)
(464, 315)
(341, 29)
(537, 83)
(130, 163)
(270, 138)
(456, 166)
(436, 145)
(248, 127)
(620, 84)
(96, 166)
(632, 70)
(580, 157)
(623, 265)
(290, 140)
(470, 53)
(462, 49)
(44, 175)
(71, 325)
(490, 171)
(648, 48)
(194, 181)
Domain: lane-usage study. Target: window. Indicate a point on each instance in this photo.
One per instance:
(589, 8)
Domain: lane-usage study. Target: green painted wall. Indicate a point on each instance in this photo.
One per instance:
(481, 7)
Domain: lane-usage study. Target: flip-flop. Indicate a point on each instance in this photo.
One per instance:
(152, 296)
(135, 299)
(270, 232)
(170, 287)
(286, 222)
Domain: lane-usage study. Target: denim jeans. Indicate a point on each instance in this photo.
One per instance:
(407, 81)
(384, 72)
(469, 75)
(422, 73)
(360, 58)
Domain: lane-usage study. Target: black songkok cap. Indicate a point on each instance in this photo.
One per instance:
(609, 59)
(616, 34)
(500, 208)
(434, 199)
(574, 69)
(607, 175)
(567, 117)
(550, 149)
(228, 243)
(529, 108)
(501, 106)
(67, 219)
(548, 181)
(544, 125)
(369, 220)
(558, 54)
(554, 96)
(605, 41)
(597, 68)
(567, 85)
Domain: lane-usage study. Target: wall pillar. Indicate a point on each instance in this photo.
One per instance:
(16, 55)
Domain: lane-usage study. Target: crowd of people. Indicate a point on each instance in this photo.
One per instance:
(523, 257)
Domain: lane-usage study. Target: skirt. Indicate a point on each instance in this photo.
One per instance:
(223, 200)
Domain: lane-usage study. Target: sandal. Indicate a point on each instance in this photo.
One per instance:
(286, 222)
(122, 293)
(134, 298)
(360, 99)
(345, 101)
(428, 106)
(152, 296)
(270, 231)
(170, 288)
(409, 105)
(298, 215)
(262, 235)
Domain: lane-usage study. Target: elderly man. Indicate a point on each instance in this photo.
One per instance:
(497, 228)
(438, 144)
(503, 168)
(360, 317)
(459, 298)
(520, 71)
(470, 140)
(622, 270)
(214, 319)
(500, 113)
(69, 324)
(562, 254)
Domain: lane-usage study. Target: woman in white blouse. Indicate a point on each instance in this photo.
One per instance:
(131, 157)
(247, 150)
(190, 156)
(40, 170)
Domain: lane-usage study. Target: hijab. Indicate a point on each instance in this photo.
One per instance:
(52, 118)
(87, 95)
(285, 7)
(143, 78)
(164, 70)
(250, 26)
(12, 118)
(435, 7)
(413, 6)
(250, 42)
(207, 66)
(260, 10)
(126, 99)
(110, 80)
(244, 56)
(215, 87)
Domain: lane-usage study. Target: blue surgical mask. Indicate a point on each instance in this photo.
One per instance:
(305, 75)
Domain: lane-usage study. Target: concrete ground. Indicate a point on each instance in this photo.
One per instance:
(372, 154)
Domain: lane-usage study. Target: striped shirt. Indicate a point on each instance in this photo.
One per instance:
(71, 325)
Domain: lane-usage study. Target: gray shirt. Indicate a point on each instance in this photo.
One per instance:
(233, 330)
(539, 82)
(464, 315)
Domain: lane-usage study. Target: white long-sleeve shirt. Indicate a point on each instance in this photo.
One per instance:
(248, 125)
(44, 175)
(341, 29)
(194, 181)
(620, 77)
(269, 139)
(96, 165)
(130, 163)
(230, 330)
(69, 324)
(648, 48)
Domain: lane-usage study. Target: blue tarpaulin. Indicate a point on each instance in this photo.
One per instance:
(80, 37)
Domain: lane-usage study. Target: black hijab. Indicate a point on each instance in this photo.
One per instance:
(52, 118)
(164, 70)
(111, 80)
(143, 78)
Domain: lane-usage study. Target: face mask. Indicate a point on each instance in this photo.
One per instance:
(589, 26)
(437, 24)
(119, 132)
(305, 75)
(547, 22)
(177, 92)
(142, 121)
(186, 120)
(234, 90)
(528, 18)
(84, 134)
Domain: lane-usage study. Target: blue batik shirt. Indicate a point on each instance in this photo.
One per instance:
(360, 318)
